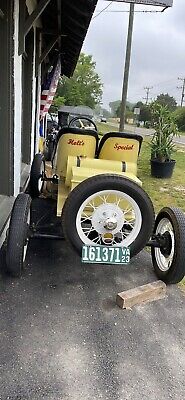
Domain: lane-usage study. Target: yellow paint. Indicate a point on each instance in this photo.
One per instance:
(41, 144)
(120, 149)
(96, 164)
(76, 162)
(63, 192)
(71, 144)
(80, 174)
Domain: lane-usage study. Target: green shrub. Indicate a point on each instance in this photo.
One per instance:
(165, 128)
(179, 116)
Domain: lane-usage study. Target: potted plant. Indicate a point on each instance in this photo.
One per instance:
(162, 144)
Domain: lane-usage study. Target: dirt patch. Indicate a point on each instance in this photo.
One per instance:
(182, 289)
(180, 189)
(181, 150)
(162, 189)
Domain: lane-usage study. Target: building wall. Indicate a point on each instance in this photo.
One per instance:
(6, 98)
(17, 102)
(13, 172)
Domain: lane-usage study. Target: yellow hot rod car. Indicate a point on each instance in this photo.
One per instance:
(100, 201)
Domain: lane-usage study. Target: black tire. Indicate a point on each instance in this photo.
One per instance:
(176, 271)
(38, 166)
(17, 234)
(107, 182)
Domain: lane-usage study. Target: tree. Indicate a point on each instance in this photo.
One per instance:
(139, 104)
(167, 100)
(145, 112)
(118, 111)
(129, 113)
(106, 113)
(85, 87)
(179, 116)
(58, 101)
(114, 106)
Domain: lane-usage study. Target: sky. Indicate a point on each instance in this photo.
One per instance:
(158, 50)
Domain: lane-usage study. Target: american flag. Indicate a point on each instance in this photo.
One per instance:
(49, 88)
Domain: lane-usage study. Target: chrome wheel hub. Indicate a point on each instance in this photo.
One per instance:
(108, 217)
(164, 259)
(111, 224)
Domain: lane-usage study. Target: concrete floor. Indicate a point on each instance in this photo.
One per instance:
(63, 337)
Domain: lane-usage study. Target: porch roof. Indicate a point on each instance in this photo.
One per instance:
(70, 20)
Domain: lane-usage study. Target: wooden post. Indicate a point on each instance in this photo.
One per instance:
(150, 292)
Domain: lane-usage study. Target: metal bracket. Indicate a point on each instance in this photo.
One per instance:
(54, 179)
(159, 241)
(1, 14)
(26, 25)
(165, 8)
(48, 49)
(46, 236)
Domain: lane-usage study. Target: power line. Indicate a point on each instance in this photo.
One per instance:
(100, 12)
(104, 10)
(164, 82)
(127, 11)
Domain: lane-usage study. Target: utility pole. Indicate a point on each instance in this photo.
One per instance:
(183, 90)
(147, 93)
(127, 67)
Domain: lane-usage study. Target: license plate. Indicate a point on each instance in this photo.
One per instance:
(105, 255)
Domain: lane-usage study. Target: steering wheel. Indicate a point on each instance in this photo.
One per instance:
(80, 119)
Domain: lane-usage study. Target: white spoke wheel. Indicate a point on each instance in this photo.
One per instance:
(17, 239)
(108, 210)
(36, 174)
(169, 260)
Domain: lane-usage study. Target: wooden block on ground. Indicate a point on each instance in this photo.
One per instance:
(150, 292)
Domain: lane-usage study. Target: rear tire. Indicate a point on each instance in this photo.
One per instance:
(128, 191)
(17, 240)
(169, 265)
(36, 174)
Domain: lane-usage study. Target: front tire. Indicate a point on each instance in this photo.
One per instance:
(36, 175)
(169, 262)
(108, 210)
(17, 240)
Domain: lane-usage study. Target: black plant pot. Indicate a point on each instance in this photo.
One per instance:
(162, 169)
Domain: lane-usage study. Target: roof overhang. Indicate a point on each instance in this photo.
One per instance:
(72, 19)
(64, 24)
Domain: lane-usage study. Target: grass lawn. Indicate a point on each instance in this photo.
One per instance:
(104, 128)
(163, 192)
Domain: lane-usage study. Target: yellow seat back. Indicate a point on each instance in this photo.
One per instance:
(120, 147)
(74, 142)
